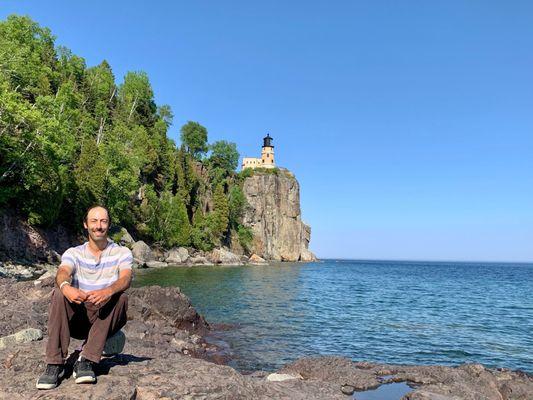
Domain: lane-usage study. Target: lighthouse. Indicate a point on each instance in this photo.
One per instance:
(267, 156)
(267, 152)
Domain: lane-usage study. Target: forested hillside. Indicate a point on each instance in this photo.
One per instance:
(70, 136)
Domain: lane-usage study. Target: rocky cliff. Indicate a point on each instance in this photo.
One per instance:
(273, 212)
(22, 242)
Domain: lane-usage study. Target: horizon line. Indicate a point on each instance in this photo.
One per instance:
(428, 261)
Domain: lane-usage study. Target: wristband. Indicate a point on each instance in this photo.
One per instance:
(63, 284)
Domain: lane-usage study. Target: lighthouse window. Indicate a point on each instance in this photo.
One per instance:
(267, 155)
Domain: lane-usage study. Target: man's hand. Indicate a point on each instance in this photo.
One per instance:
(99, 297)
(73, 294)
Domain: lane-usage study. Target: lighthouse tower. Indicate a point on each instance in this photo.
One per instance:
(267, 153)
(267, 156)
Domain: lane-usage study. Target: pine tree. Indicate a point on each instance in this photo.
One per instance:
(220, 213)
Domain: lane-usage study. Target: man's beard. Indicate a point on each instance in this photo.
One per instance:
(98, 238)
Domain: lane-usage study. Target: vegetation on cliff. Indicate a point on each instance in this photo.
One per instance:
(70, 136)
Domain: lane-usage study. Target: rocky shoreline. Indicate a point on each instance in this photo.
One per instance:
(27, 252)
(144, 258)
(167, 356)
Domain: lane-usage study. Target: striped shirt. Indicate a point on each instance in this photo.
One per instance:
(89, 273)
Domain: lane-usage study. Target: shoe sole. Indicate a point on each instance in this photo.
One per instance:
(83, 379)
(45, 386)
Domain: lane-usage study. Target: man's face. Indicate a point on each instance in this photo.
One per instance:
(97, 224)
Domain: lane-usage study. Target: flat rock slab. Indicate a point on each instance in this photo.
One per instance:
(23, 336)
(468, 381)
(282, 377)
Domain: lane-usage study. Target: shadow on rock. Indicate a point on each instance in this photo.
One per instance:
(103, 367)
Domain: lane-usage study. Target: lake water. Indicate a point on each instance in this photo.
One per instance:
(380, 311)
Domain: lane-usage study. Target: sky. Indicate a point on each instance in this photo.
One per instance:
(409, 124)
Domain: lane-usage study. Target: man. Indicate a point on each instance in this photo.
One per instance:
(89, 301)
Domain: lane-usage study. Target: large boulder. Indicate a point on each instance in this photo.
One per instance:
(156, 264)
(256, 260)
(177, 255)
(125, 238)
(142, 253)
(199, 260)
(164, 306)
(225, 257)
(23, 336)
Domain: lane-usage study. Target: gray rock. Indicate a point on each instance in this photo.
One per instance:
(178, 255)
(54, 257)
(223, 256)
(21, 242)
(23, 336)
(199, 260)
(282, 377)
(126, 239)
(347, 389)
(20, 272)
(256, 260)
(114, 344)
(156, 264)
(273, 213)
(142, 253)
(307, 256)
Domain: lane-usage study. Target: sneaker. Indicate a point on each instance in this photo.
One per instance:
(83, 371)
(51, 377)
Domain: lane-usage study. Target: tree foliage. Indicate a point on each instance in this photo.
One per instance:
(71, 136)
(194, 137)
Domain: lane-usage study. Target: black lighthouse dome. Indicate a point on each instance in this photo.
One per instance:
(267, 141)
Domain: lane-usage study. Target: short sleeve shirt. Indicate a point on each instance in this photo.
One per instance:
(89, 273)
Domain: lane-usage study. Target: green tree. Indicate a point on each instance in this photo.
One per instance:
(246, 237)
(27, 57)
(136, 100)
(202, 235)
(166, 218)
(194, 137)
(90, 176)
(220, 212)
(224, 155)
(70, 136)
(237, 202)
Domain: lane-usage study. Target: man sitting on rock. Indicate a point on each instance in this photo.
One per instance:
(89, 301)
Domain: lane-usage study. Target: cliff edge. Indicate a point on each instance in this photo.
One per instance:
(274, 215)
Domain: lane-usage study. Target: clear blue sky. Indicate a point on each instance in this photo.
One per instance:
(409, 124)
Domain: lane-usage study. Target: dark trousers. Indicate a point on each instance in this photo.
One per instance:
(82, 321)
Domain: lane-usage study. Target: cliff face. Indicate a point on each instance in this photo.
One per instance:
(20, 241)
(273, 213)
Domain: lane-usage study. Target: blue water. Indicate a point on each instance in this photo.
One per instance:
(386, 311)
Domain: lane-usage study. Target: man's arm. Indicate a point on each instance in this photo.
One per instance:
(101, 296)
(74, 295)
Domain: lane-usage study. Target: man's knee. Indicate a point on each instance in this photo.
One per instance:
(122, 300)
